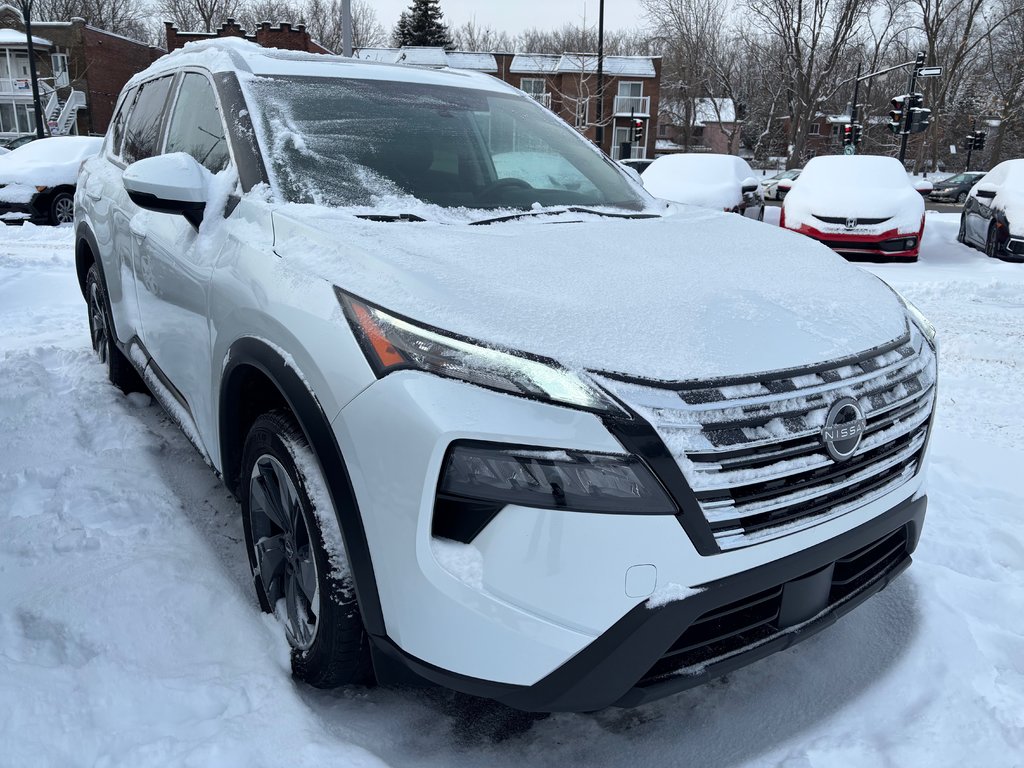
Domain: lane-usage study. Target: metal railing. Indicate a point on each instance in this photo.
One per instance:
(632, 105)
(543, 98)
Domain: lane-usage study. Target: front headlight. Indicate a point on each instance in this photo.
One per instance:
(393, 343)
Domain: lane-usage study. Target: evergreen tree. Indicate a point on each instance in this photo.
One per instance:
(422, 24)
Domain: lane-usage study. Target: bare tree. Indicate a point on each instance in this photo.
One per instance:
(197, 15)
(123, 17)
(323, 20)
(471, 37)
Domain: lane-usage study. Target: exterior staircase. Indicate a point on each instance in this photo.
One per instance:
(61, 112)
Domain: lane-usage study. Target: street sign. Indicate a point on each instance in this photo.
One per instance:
(952, 149)
(849, 149)
(929, 72)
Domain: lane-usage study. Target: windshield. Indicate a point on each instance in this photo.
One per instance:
(354, 143)
(960, 178)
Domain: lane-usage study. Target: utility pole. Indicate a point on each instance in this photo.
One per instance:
(346, 28)
(970, 144)
(599, 133)
(853, 107)
(26, 15)
(918, 64)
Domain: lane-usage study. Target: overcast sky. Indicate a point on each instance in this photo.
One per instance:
(513, 16)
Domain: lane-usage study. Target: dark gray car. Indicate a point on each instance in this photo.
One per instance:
(955, 188)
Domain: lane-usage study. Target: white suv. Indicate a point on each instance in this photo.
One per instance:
(496, 417)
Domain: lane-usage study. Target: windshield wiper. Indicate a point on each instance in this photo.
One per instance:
(570, 209)
(389, 217)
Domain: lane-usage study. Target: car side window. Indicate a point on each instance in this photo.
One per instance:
(117, 126)
(196, 125)
(142, 133)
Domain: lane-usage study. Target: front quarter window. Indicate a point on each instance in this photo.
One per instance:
(347, 143)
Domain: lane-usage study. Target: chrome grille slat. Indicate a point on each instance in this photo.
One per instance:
(738, 512)
(751, 448)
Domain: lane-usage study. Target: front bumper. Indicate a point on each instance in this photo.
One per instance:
(21, 212)
(543, 598)
(888, 244)
(732, 622)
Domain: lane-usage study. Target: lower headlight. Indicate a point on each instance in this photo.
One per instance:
(478, 479)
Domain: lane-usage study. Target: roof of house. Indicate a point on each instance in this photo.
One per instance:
(17, 37)
(705, 111)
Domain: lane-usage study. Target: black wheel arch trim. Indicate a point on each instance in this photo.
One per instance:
(315, 425)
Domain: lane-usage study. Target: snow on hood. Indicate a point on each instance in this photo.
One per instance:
(48, 162)
(707, 180)
(861, 186)
(692, 295)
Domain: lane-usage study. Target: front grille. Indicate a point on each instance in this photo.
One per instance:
(843, 219)
(751, 448)
(754, 620)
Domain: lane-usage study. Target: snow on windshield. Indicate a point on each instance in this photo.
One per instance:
(345, 142)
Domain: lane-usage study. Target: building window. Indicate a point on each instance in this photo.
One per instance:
(814, 130)
(582, 112)
(662, 130)
(59, 62)
(534, 86)
(631, 89)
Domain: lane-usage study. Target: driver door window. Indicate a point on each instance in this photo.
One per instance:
(196, 125)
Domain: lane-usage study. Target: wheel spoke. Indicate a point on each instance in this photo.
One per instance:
(297, 616)
(306, 576)
(267, 493)
(270, 555)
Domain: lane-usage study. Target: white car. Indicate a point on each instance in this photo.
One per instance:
(37, 180)
(722, 182)
(993, 215)
(771, 187)
(544, 440)
(858, 205)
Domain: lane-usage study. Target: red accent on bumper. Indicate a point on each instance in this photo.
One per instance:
(865, 245)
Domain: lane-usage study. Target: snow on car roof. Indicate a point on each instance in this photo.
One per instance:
(871, 170)
(48, 162)
(234, 55)
(705, 179)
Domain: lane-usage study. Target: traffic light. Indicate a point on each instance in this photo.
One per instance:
(638, 131)
(920, 117)
(855, 134)
(896, 114)
(979, 140)
(847, 135)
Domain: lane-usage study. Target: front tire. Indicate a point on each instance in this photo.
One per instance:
(961, 235)
(101, 332)
(961, 198)
(62, 209)
(298, 563)
(992, 242)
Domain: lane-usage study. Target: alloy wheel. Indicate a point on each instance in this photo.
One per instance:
(64, 210)
(283, 551)
(98, 331)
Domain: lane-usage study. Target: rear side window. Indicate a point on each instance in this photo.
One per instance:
(196, 125)
(117, 126)
(143, 131)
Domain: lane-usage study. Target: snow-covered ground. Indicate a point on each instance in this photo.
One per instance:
(129, 635)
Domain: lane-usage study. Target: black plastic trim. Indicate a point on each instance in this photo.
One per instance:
(250, 352)
(607, 671)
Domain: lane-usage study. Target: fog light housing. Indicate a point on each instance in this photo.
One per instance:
(479, 479)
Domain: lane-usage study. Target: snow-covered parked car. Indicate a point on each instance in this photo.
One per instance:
(540, 438)
(722, 182)
(37, 180)
(993, 216)
(772, 189)
(858, 205)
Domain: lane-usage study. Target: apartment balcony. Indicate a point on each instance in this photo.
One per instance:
(543, 98)
(635, 106)
(637, 152)
(16, 86)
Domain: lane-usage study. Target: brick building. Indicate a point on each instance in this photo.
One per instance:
(567, 85)
(284, 35)
(698, 125)
(81, 70)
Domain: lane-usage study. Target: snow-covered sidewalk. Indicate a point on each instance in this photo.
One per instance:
(129, 635)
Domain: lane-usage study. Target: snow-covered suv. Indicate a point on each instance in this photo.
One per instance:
(496, 417)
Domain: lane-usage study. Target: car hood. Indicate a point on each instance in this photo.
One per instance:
(696, 294)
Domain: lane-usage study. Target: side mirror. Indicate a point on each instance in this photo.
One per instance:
(986, 191)
(750, 184)
(173, 183)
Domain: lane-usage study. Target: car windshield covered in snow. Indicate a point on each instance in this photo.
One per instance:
(355, 142)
